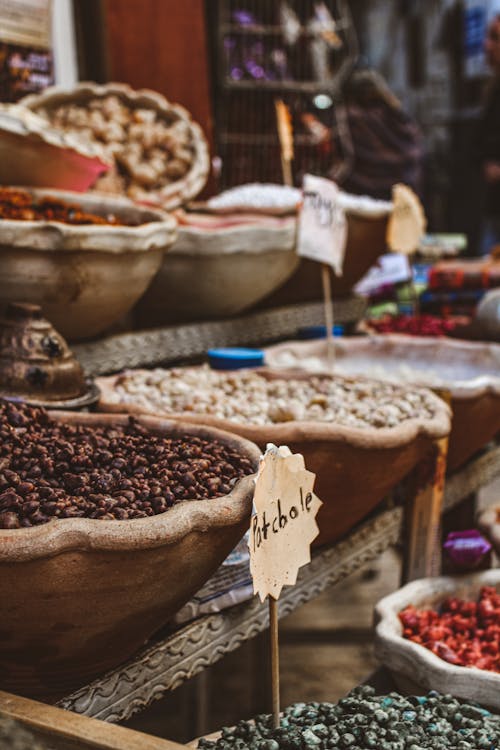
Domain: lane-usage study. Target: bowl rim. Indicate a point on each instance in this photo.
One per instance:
(172, 195)
(46, 236)
(90, 534)
(285, 433)
(376, 344)
(392, 647)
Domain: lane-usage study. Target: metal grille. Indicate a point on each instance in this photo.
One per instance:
(299, 51)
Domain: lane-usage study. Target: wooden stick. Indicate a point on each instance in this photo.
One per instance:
(275, 660)
(285, 135)
(60, 729)
(327, 299)
(286, 169)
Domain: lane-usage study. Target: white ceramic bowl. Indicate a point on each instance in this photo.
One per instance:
(219, 272)
(413, 666)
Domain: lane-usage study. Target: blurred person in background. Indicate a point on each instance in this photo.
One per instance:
(489, 142)
(386, 143)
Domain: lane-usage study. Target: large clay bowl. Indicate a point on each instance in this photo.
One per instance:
(414, 667)
(79, 596)
(469, 372)
(219, 272)
(84, 277)
(366, 241)
(355, 468)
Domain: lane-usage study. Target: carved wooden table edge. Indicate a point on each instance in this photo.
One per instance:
(166, 664)
(477, 473)
(176, 342)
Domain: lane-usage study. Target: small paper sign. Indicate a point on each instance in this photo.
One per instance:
(322, 231)
(284, 525)
(407, 221)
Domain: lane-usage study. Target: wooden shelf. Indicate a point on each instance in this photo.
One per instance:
(272, 30)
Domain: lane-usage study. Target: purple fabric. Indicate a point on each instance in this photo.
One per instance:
(466, 549)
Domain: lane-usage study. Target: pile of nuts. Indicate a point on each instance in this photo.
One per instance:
(20, 205)
(464, 633)
(365, 721)
(246, 396)
(150, 149)
(50, 470)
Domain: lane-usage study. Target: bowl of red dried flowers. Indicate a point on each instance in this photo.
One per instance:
(85, 259)
(108, 525)
(444, 634)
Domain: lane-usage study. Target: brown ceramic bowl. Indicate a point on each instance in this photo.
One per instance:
(469, 372)
(355, 468)
(79, 596)
(84, 277)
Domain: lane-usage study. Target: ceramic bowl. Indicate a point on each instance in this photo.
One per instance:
(219, 271)
(415, 668)
(355, 468)
(84, 277)
(80, 596)
(175, 192)
(469, 372)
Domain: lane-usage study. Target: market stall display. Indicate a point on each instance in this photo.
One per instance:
(160, 155)
(140, 512)
(36, 364)
(470, 372)
(414, 665)
(338, 424)
(85, 276)
(219, 266)
(28, 145)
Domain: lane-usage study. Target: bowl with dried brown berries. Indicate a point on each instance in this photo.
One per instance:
(107, 527)
(160, 155)
(84, 258)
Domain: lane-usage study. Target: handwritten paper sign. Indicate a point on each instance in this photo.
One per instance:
(284, 525)
(322, 231)
(407, 221)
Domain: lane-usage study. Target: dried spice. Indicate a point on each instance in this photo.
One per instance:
(464, 633)
(249, 397)
(22, 206)
(365, 721)
(414, 325)
(50, 469)
(150, 149)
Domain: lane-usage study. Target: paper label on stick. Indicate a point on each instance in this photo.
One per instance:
(283, 525)
(322, 233)
(407, 221)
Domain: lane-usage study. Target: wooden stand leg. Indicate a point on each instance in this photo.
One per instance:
(422, 543)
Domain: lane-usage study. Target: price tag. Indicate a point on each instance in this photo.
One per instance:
(284, 525)
(322, 231)
(407, 221)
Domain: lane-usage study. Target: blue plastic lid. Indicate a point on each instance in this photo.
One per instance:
(319, 332)
(235, 358)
